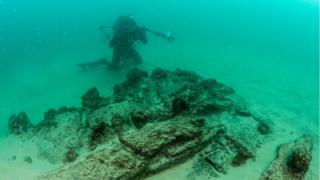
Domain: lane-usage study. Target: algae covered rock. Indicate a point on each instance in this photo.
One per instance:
(154, 147)
(292, 161)
(50, 115)
(98, 135)
(19, 124)
(92, 100)
(235, 143)
(113, 163)
(139, 118)
(55, 141)
(159, 73)
(70, 156)
(150, 123)
(155, 137)
(106, 113)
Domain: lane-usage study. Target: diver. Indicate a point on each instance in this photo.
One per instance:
(126, 33)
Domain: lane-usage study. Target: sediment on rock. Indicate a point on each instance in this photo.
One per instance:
(153, 122)
(113, 163)
(154, 147)
(292, 161)
(19, 124)
(92, 100)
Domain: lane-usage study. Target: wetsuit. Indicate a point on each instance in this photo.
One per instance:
(126, 33)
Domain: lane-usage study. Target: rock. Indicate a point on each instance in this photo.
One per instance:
(154, 147)
(240, 159)
(179, 106)
(234, 144)
(92, 100)
(183, 75)
(219, 158)
(19, 124)
(67, 133)
(292, 161)
(263, 128)
(298, 163)
(212, 107)
(168, 143)
(120, 124)
(28, 159)
(139, 119)
(70, 156)
(242, 111)
(223, 153)
(135, 76)
(241, 107)
(159, 73)
(128, 89)
(105, 114)
(49, 117)
(150, 123)
(170, 92)
(113, 163)
(98, 135)
(153, 138)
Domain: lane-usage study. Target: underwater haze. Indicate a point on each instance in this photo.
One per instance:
(268, 51)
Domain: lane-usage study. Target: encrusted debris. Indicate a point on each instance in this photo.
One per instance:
(114, 163)
(92, 100)
(150, 123)
(292, 162)
(19, 124)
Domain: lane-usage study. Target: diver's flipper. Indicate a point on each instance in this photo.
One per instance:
(94, 64)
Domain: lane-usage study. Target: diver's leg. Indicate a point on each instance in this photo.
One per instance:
(135, 56)
(116, 57)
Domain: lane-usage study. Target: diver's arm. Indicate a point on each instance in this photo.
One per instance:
(141, 35)
(166, 36)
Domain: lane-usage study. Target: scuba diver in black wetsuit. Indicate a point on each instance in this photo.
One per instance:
(125, 33)
(124, 36)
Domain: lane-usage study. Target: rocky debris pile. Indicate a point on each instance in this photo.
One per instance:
(66, 132)
(113, 163)
(151, 122)
(235, 143)
(154, 147)
(59, 131)
(174, 93)
(19, 124)
(167, 143)
(92, 100)
(292, 161)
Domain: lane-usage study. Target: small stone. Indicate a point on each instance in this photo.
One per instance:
(240, 159)
(70, 156)
(263, 128)
(28, 159)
